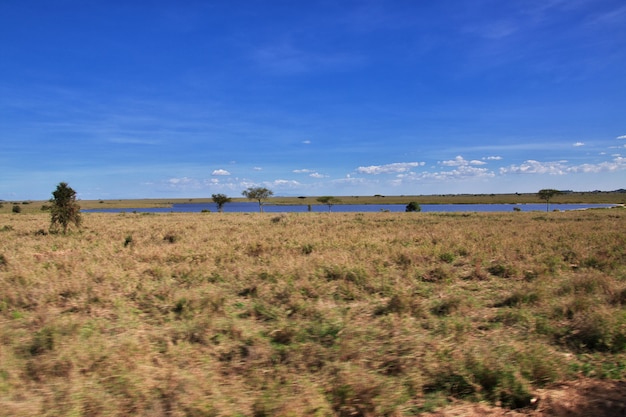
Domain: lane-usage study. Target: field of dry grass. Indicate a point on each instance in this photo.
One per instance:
(321, 314)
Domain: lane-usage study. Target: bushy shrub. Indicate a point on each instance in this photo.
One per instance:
(170, 238)
(65, 210)
(413, 207)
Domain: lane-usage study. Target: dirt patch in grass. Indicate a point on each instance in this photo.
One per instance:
(581, 398)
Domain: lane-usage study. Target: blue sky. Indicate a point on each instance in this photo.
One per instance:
(149, 99)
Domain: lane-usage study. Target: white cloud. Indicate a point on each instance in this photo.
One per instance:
(220, 172)
(257, 169)
(493, 158)
(459, 161)
(618, 163)
(179, 181)
(306, 142)
(389, 168)
(621, 137)
(462, 172)
(285, 183)
(562, 168)
(317, 175)
(184, 183)
(577, 144)
(535, 167)
(302, 171)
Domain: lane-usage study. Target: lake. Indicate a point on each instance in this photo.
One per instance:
(343, 208)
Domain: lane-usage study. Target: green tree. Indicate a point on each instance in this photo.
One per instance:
(413, 206)
(65, 209)
(547, 194)
(329, 201)
(259, 194)
(220, 200)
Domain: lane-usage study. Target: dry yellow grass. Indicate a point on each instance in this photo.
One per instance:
(305, 314)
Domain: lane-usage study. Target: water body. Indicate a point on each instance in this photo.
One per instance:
(349, 208)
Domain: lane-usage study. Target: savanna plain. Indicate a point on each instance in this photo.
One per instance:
(318, 314)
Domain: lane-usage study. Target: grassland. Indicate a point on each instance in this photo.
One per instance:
(320, 314)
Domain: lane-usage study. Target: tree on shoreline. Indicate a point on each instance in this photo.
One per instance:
(65, 209)
(329, 201)
(547, 194)
(259, 194)
(413, 206)
(220, 200)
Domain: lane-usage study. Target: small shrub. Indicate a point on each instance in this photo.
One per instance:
(6, 228)
(41, 232)
(170, 238)
(447, 257)
(500, 384)
(401, 304)
(436, 275)
(356, 276)
(403, 260)
(501, 270)
(446, 307)
(16, 209)
(598, 331)
(452, 384)
(128, 240)
(619, 297)
(43, 341)
(512, 317)
(306, 249)
(3, 262)
(519, 297)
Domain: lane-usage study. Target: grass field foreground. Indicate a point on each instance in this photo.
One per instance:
(320, 314)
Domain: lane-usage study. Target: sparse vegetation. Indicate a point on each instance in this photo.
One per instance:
(349, 314)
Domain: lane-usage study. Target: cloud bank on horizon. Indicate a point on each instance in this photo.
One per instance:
(129, 100)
